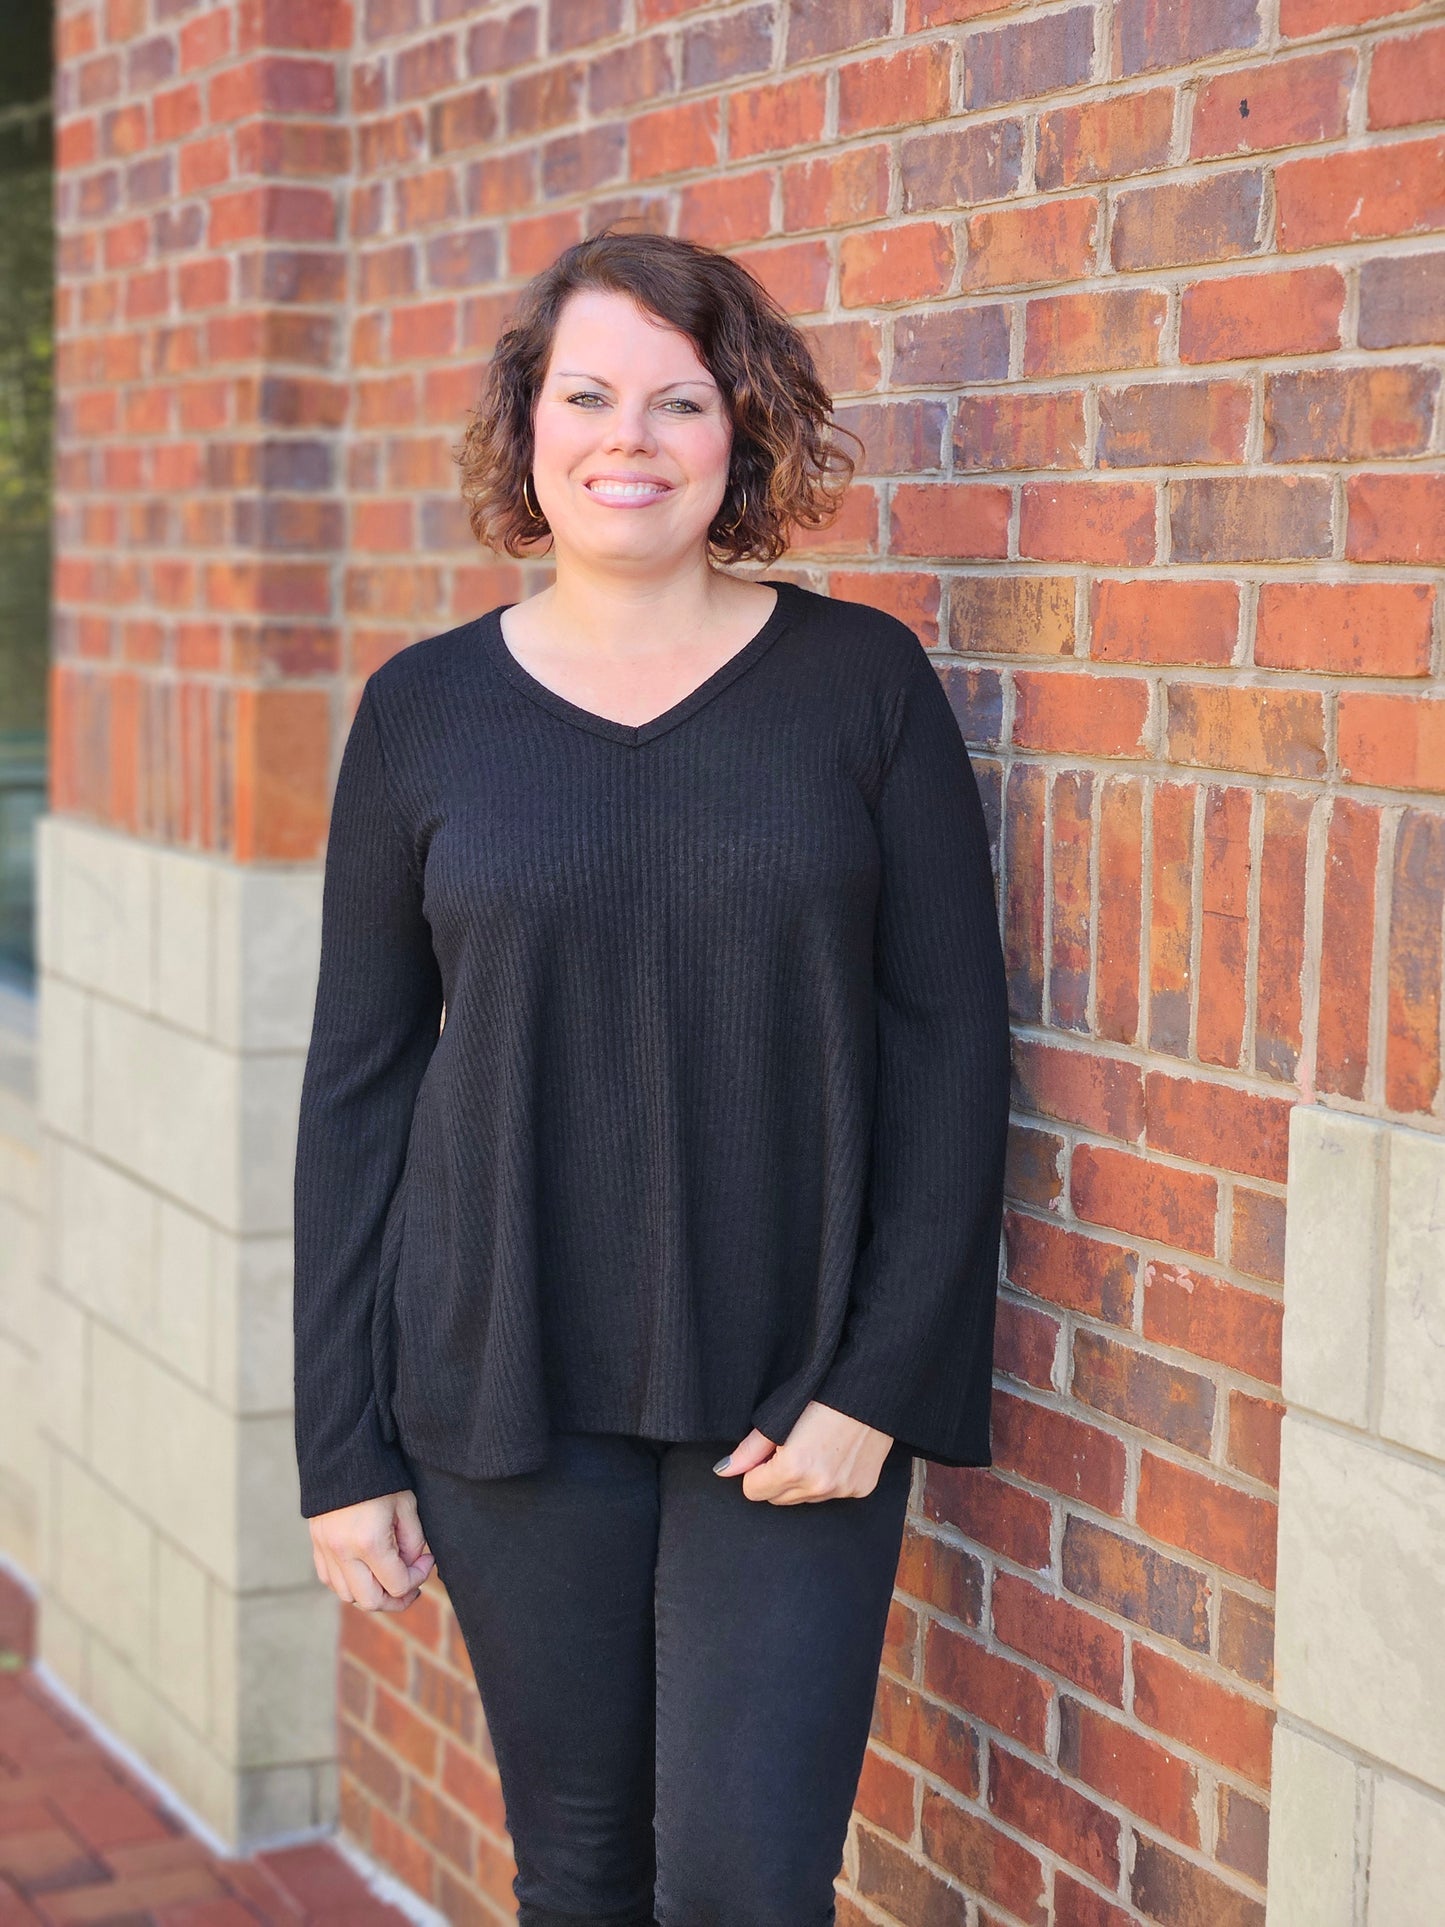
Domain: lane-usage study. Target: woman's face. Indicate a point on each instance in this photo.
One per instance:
(631, 438)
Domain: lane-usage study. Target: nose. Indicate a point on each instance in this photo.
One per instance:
(630, 427)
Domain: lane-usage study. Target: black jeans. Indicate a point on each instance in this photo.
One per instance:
(678, 1680)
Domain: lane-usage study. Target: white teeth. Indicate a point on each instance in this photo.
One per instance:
(625, 488)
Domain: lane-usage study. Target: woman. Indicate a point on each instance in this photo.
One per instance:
(655, 1103)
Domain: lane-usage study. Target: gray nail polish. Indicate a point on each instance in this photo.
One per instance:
(723, 1464)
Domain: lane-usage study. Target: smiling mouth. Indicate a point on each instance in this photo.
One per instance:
(606, 491)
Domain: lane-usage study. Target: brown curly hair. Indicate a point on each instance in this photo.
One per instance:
(784, 466)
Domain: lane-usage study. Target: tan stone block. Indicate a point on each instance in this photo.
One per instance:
(63, 1064)
(1333, 1252)
(170, 1448)
(185, 1291)
(1312, 1833)
(273, 1540)
(62, 1646)
(105, 1239)
(270, 1101)
(267, 955)
(64, 1369)
(103, 1562)
(181, 1661)
(253, 1349)
(167, 1107)
(106, 911)
(275, 1658)
(1358, 1651)
(185, 946)
(1407, 1857)
(1412, 1408)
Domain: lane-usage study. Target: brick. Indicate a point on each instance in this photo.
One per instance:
(1407, 79)
(984, 1857)
(960, 166)
(928, 1735)
(532, 104)
(1242, 1835)
(1249, 316)
(1224, 937)
(1256, 1233)
(1105, 523)
(495, 45)
(994, 613)
(1346, 628)
(1098, 1093)
(674, 140)
(1213, 1319)
(1218, 1523)
(1107, 716)
(715, 51)
(732, 209)
(1120, 912)
(1004, 1695)
(326, 26)
(1028, 58)
(1160, 619)
(1056, 1634)
(1136, 1582)
(1125, 1766)
(763, 120)
(1348, 414)
(1102, 140)
(1346, 951)
(1030, 246)
(1412, 1049)
(918, 14)
(1033, 1802)
(576, 163)
(1070, 818)
(1170, 964)
(1145, 1199)
(950, 520)
(1076, 1905)
(1073, 334)
(1060, 1264)
(1254, 1436)
(1264, 730)
(1033, 1167)
(904, 89)
(1215, 219)
(1249, 518)
(1279, 1000)
(1246, 1638)
(908, 263)
(1148, 36)
(942, 1575)
(1218, 1124)
(1360, 193)
(1395, 741)
(1172, 422)
(833, 189)
(1053, 1449)
(1143, 1391)
(893, 1877)
(1395, 518)
(1282, 103)
(1019, 431)
(1023, 889)
(990, 1511)
(1300, 17)
(1204, 1714)
(440, 1826)
(1169, 1889)
(951, 346)
(817, 27)
(1402, 300)
(1025, 1343)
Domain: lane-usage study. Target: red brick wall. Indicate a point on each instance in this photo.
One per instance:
(1139, 310)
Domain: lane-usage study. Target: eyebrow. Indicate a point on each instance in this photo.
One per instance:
(689, 381)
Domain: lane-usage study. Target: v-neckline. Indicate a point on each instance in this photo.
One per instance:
(635, 734)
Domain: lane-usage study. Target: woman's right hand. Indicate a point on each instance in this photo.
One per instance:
(373, 1554)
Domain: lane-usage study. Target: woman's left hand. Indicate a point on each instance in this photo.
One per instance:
(827, 1455)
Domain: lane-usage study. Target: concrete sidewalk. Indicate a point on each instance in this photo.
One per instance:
(83, 1840)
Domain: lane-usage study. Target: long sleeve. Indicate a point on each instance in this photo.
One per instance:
(375, 1025)
(915, 1356)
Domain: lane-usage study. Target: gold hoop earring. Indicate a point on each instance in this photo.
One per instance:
(532, 510)
(736, 522)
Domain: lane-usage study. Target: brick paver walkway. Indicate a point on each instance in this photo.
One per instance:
(83, 1841)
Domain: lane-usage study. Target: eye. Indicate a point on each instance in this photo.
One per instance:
(585, 395)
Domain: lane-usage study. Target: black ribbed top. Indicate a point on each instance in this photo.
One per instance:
(658, 1079)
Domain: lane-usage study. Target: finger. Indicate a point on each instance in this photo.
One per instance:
(756, 1449)
(410, 1539)
(366, 1589)
(336, 1579)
